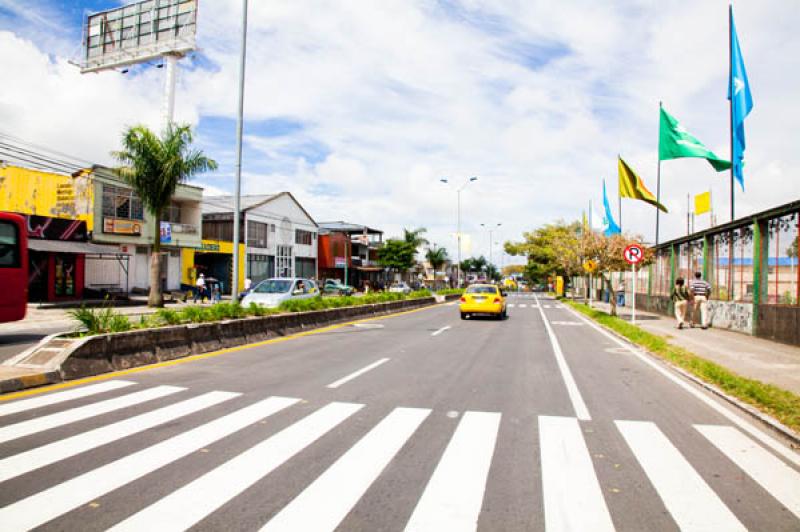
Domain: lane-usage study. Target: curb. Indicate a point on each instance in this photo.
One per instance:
(766, 419)
(29, 381)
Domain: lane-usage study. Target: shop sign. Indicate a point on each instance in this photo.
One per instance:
(122, 227)
(166, 233)
(339, 262)
(210, 247)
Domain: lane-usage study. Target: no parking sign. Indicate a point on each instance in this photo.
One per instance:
(633, 254)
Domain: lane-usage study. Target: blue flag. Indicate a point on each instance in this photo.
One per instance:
(611, 226)
(741, 103)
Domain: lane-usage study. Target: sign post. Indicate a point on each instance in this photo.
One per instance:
(633, 254)
(590, 266)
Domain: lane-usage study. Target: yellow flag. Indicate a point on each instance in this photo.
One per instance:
(632, 186)
(702, 202)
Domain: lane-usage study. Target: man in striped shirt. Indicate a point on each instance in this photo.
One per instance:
(701, 291)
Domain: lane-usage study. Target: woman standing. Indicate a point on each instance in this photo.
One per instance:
(680, 299)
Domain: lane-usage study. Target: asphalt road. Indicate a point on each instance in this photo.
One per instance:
(418, 421)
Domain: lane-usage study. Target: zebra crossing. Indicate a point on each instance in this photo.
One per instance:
(575, 496)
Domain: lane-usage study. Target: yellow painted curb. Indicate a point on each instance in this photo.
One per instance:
(42, 379)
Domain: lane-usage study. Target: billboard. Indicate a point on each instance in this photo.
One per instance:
(138, 32)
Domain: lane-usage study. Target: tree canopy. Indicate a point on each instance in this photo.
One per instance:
(397, 255)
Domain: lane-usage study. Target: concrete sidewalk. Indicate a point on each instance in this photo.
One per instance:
(751, 357)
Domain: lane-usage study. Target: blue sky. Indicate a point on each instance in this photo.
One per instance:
(359, 108)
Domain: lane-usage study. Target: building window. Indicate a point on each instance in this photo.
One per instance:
(218, 230)
(173, 213)
(257, 234)
(122, 203)
(271, 228)
(303, 237)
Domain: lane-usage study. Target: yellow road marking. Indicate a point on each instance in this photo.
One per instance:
(201, 356)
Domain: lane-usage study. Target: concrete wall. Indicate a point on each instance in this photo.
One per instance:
(732, 316)
(780, 323)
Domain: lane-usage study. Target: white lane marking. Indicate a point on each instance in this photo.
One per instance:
(573, 499)
(691, 502)
(357, 373)
(761, 436)
(780, 480)
(511, 305)
(368, 325)
(60, 397)
(440, 331)
(569, 381)
(523, 305)
(183, 508)
(327, 500)
(51, 453)
(39, 424)
(578, 323)
(453, 497)
(41, 507)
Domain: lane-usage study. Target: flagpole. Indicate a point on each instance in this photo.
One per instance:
(619, 199)
(658, 173)
(730, 101)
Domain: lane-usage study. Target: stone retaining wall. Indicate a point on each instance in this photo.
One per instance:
(112, 352)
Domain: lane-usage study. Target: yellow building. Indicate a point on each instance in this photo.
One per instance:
(219, 250)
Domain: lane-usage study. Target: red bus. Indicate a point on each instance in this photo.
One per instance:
(13, 267)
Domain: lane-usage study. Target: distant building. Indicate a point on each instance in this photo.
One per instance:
(349, 252)
(278, 238)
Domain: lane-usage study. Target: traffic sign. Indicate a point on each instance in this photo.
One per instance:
(590, 265)
(634, 254)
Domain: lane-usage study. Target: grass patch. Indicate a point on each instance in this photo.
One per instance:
(781, 404)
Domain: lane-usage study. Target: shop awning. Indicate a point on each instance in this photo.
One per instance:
(66, 246)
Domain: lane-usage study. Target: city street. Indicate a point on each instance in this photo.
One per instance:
(417, 421)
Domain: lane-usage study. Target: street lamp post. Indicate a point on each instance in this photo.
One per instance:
(458, 230)
(491, 228)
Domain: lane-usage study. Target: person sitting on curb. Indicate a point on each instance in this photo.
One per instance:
(680, 299)
(701, 291)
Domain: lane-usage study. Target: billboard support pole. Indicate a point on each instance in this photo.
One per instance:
(238, 186)
(169, 89)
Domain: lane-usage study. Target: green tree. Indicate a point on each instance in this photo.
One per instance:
(154, 166)
(792, 250)
(397, 255)
(553, 249)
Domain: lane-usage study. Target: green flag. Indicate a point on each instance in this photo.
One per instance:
(675, 142)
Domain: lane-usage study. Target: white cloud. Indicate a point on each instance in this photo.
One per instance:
(401, 93)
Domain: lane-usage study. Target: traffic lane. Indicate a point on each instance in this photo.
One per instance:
(478, 364)
(617, 385)
(306, 364)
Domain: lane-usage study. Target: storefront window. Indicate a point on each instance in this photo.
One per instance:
(65, 275)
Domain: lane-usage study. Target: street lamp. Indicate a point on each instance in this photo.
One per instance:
(458, 234)
(491, 228)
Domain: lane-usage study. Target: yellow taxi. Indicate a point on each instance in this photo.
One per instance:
(483, 299)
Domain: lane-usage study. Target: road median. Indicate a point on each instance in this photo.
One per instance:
(780, 404)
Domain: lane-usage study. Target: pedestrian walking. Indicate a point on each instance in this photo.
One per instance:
(700, 289)
(680, 300)
(200, 288)
(621, 294)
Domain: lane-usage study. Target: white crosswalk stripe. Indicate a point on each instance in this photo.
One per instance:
(190, 504)
(61, 397)
(690, 501)
(324, 504)
(40, 508)
(452, 500)
(780, 480)
(39, 424)
(573, 499)
(33, 459)
(454, 497)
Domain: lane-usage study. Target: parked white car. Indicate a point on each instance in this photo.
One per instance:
(401, 288)
(272, 292)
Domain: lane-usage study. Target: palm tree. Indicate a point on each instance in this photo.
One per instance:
(436, 258)
(415, 237)
(154, 167)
